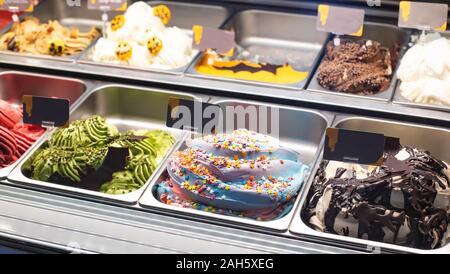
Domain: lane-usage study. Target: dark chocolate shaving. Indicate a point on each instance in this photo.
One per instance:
(396, 166)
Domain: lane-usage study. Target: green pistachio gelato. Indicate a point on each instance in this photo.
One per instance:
(92, 131)
(79, 150)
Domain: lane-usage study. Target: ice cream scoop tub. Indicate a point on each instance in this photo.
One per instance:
(68, 16)
(306, 142)
(14, 85)
(389, 36)
(268, 36)
(127, 108)
(399, 99)
(184, 16)
(432, 139)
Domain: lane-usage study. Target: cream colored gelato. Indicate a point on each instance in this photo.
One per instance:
(139, 38)
(425, 71)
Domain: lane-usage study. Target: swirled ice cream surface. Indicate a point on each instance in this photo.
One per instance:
(242, 173)
(425, 71)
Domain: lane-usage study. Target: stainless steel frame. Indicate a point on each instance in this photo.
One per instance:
(388, 36)
(80, 226)
(306, 143)
(31, 212)
(127, 107)
(409, 134)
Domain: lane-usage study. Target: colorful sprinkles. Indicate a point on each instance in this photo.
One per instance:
(243, 141)
(193, 160)
(245, 170)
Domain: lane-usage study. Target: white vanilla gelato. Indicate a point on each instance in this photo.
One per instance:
(425, 71)
(137, 27)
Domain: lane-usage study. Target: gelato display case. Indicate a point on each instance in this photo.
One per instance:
(313, 215)
(121, 177)
(264, 40)
(111, 112)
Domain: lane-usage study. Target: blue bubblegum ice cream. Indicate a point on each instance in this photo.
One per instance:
(242, 173)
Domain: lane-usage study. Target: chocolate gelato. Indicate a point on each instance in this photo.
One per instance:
(404, 202)
(363, 67)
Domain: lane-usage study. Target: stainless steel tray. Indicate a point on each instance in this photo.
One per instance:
(127, 108)
(14, 84)
(388, 36)
(78, 16)
(409, 134)
(399, 99)
(270, 34)
(307, 142)
(184, 16)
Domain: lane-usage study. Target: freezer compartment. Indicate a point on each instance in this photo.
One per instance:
(69, 16)
(125, 107)
(269, 36)
(184, 16)
(305, 142)
(14, 85)
(389, 36)
(432, 139)
(399, 99)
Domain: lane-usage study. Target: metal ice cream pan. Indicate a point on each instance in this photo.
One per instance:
(388, 36)
(184, 16)
(127, 108)
(14, 84)
(433, 139)
(306, 142)
(269, 34)
(77, 16)
(399, 99)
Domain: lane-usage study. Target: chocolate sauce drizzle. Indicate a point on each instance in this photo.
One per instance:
(368, 200)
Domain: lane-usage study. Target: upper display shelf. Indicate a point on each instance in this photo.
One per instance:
(386, 10)
(155, 42)
(382, 4)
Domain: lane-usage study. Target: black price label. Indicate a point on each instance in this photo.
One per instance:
(340, 20)
(354, 147)
(17, 5)
(44, 111)
(222, 41)
(193, 116)
(107, 5)
(423, 16)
